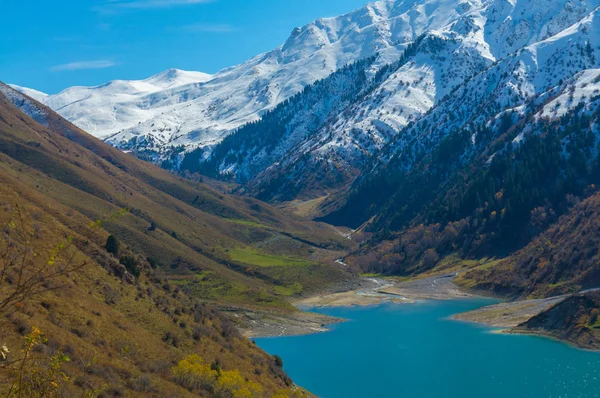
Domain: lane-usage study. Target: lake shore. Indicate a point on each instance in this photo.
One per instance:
(260, 324)
(384, 290)
(508, 315)
(372, 291)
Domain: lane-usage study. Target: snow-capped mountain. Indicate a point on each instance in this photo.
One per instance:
(469, 61)
(472, 64)
(106, 109)
(208, 108)
(542, 100)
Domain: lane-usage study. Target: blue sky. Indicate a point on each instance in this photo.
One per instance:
(51, 45)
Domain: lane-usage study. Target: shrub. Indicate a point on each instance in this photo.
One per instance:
(142, 384)
(131, 264)
(112, 245)
(232, 384)
(193, 373)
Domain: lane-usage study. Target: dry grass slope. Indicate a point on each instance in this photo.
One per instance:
(124, 334)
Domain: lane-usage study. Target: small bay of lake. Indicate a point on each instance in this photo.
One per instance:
(414, 350)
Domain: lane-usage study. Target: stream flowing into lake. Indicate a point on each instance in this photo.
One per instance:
(414, 350)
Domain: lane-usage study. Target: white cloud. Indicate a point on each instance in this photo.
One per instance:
(80, 65)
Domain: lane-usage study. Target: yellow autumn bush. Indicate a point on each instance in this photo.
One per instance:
(232, 384)
(194, 373)
(36, 376)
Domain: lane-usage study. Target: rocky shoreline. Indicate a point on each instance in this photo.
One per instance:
(508, 314)
(365, 292)
(509, 317)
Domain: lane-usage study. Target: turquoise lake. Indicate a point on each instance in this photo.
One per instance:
(413, 350)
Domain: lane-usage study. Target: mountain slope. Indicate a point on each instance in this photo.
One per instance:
(513, 44)
(111, 107)
(481, 111)
(460, 55)
(501, 194)
(183, 225)
(211, 107)
(126, 316)
(574, 320)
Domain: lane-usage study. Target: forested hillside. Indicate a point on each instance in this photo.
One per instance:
(489, 194)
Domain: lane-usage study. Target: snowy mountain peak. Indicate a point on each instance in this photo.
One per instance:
(466, 38)
(35, 94)
(177, 77)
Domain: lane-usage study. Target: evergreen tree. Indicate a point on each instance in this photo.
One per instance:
(112, 245)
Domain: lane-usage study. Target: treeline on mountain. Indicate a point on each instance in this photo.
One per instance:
(264, 135)
(480, 194)
(278, 136)
(563, 259)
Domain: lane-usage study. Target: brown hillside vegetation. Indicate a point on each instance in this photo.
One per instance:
(128, 320)
(577, 319)
(564, 259)
(181, 225)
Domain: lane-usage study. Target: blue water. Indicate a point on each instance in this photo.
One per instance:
(412, 350)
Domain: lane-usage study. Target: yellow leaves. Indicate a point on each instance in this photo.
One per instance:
(232, 382)
(194, 373)
(12, 225)
(33, 339)
(113, 216)
(96, 224)
(38, 376)
(291, 393)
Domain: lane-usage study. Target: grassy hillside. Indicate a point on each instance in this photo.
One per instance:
(126, 319)
(122, 335)
(185, 227)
